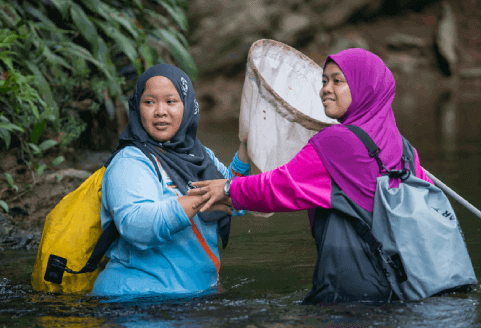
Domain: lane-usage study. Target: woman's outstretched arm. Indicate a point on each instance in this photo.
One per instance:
(300, 184)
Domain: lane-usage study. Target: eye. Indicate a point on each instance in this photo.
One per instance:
(324, 82)
(148, 102)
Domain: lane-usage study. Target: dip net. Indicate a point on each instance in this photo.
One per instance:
(281, 108)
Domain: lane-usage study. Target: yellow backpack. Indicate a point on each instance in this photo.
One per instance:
(72, 236)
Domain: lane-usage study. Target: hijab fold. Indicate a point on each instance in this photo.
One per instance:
(346, 158)
(183, 157)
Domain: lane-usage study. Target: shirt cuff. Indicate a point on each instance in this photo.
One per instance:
(239, 166)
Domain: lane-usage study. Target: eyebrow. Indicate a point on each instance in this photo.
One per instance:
(333, 74)
(154, 96)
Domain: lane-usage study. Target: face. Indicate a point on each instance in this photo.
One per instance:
(335, 92)
(161, 109)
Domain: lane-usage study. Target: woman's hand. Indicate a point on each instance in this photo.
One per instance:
(212, 192)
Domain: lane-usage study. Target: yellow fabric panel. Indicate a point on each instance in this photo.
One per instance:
(71, 231)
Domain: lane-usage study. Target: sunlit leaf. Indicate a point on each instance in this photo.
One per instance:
(47, 144)
(58, 160)
(4, 205)
(37, 131)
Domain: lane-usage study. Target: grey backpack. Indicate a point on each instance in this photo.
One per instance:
(416, 233)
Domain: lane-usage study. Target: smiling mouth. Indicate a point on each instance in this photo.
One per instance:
(327, 100)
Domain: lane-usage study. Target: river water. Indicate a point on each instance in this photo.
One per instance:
(267, 267)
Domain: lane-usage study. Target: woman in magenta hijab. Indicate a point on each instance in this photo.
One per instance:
(334, 178)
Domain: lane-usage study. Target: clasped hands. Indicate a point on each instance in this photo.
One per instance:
(213, 196)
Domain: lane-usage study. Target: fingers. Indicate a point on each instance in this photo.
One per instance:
(200, 201)
(197, 191)
(201, 183)
(206, 206)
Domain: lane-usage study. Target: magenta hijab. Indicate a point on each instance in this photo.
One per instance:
(346, 158)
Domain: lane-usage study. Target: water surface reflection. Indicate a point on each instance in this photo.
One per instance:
(267, 267)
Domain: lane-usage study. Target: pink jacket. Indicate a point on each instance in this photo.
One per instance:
(302, 183)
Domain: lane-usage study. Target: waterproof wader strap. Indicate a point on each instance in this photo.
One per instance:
(110, 234)
(374, 150)
(370, 145)
(363, 230)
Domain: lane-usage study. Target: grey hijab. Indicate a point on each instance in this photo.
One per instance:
(183, 157)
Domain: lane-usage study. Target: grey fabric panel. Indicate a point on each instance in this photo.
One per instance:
(425, 234)
(346, 270)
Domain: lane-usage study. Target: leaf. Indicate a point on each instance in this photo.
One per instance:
(179, 52)
(40, 169)
(36, 13)
(35, 148)
(113, 16)
(47, 144)
(34, 109)
(9, 179)
(176, 13)
(149, 54)
(11, 127)
(62, 6)
(58, 160)
(125, 44)
(43, 87)
(83, 24)
(5, 135)
(77, 50)
(4, 205)
(37, 131)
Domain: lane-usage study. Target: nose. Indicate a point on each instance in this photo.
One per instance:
(160, 109)
(326, 89)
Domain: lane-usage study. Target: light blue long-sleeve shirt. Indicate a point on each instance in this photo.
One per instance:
(158, 250)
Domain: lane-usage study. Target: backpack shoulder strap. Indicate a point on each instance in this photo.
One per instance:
(110, 234)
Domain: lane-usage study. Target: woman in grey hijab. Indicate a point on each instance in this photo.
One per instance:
(165, 246)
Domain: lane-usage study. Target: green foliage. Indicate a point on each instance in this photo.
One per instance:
(53, 53)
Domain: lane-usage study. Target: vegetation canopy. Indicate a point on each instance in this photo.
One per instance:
(61, 57)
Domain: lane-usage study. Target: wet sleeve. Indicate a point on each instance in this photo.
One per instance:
(236, 168)
(142, 213)
(302, 183)
(419, 170)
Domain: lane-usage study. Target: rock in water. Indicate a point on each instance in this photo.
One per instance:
(446, 36)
